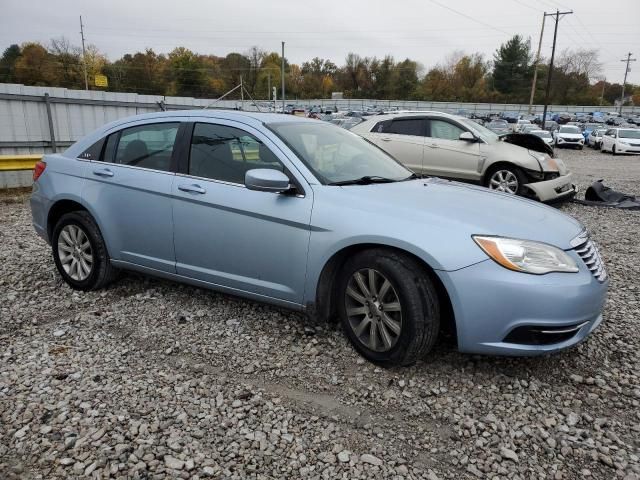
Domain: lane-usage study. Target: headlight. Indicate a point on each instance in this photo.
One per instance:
(525, 255)
(547, 163)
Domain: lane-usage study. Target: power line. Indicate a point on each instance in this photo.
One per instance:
(469, 17)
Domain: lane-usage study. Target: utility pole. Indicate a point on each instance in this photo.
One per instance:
(268, 84)
(626, 71)
(535, 66)
(604, 83)
(553, 53)
(84, 56)
(282, 75)
(241, 93)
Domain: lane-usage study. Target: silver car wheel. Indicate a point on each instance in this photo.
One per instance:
(504, 181)
(75, 253)
(373, 309)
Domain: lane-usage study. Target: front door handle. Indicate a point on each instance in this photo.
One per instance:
(103, 172)
(433, 145)
(385, 139)
(192, 188)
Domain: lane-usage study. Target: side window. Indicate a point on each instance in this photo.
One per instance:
(445, 130)
(147, 146)
(408, 126)
(93, 152)
(381, 127)
(226, 153)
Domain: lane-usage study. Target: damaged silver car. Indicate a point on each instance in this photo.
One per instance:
(449, 146)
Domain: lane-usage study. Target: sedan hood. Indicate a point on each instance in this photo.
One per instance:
(440, 216)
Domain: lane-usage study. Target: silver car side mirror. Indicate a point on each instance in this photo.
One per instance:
(266, 180)
(467, 137)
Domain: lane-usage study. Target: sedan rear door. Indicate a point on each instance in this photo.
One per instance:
(128, 189)
(403, 139)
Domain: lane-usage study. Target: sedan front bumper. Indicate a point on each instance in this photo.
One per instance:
(493, 306)
(559, 188)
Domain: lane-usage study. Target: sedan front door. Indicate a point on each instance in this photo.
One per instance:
(445, 155)
(232, 237)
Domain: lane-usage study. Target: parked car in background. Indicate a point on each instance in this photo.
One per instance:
(443, 145)
(307, 216)
(519, 124)
(551, 126)
(587, 128)
(568, 136)
(594, 140)
(346, 122)
(621, 140)
(528, 128)
(544, 135)
(499, 127)
(561, 118)
(510, 117)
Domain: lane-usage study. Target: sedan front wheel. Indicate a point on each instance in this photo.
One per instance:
(508, 179)
(388, 307)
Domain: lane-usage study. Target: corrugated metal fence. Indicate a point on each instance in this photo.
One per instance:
(34, 119)
(37, 120)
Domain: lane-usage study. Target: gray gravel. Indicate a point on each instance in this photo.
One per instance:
(151, 379)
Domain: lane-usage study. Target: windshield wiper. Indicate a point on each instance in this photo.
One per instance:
(366, 180)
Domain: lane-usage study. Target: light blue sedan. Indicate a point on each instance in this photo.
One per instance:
(309, 216)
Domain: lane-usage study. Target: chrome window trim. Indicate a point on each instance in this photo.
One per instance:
(98, 162)
(231, 184)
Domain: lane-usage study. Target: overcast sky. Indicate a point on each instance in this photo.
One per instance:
(423, 30)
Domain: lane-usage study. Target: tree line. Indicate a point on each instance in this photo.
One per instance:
(461, 77)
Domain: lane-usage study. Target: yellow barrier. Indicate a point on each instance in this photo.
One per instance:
(10, 163)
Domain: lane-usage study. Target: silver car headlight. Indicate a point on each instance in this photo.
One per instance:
(547, 163)
(525, 255)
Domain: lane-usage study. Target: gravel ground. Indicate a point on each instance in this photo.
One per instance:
(151, 379)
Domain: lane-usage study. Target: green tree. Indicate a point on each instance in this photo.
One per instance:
(8, 63)
(35, 66)
(512, 69)
(186, 74)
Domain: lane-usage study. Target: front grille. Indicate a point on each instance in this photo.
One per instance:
(571, 139)
(591, 258)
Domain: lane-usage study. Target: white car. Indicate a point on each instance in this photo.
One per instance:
(594, 140)
(443, 145)
(544, 135)
(621, 140)
(568, 136)
(520, 124)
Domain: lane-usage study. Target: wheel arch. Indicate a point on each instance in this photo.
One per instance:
(323, 308)
(497, 165)
(61, 206)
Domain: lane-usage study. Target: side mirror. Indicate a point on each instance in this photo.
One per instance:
(467, 137)
(266, 180)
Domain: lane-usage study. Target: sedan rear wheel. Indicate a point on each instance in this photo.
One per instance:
(80, 253)
(388, 307)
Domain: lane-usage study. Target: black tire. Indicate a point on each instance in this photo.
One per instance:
(519, 174)
(420, 310)
(580, 147)
(101, 272)
(613, 149)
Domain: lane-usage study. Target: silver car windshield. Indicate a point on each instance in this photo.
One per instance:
(334, 154)
(629, 134)
(480, 130)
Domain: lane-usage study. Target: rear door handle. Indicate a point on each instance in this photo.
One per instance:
(104, 172)
(192, 188)
(433, 145)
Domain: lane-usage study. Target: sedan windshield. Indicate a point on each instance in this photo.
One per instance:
(480, 130)
(629, 134)
(569, 130)
(337, 155)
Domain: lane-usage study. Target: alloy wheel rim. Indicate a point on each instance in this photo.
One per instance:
(75, 252)
(504, 181)
(373, 310)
